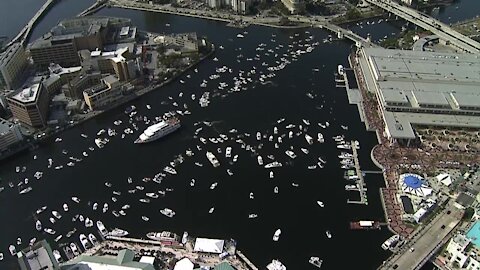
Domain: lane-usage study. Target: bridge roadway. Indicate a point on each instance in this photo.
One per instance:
(425, 242)
(438, 28)
(25, 32)
(316, 21)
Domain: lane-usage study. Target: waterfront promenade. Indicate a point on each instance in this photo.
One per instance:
(112, 245)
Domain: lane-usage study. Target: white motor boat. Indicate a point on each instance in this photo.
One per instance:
(76, 199)
(274, 164)
(228, 152)
(260, 160)
(88, 223)
(65, 207)
(38, 225)
(12, 250)
(309, 139)
(101, 228)
(290, 154)
(211, 157)
(168, 212)
(316, 261)
(74, 249)
(276, 265)
(49, 231)
(57, 256)
(276, 235)
(92, 239)
(320, 203)
(252, 215)
(329, 234)
(145, 218)
(118, 232)
(151, 195)
(84, 241)
(271, 174)
(211, 210)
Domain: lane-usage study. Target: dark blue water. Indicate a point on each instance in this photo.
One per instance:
(257, 108)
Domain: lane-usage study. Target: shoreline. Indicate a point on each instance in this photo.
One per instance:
(31, 145)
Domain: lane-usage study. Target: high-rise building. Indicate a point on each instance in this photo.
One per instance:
(12, 65)
(61, 44)
(30, 105)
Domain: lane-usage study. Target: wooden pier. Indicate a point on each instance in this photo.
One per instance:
(361, 188)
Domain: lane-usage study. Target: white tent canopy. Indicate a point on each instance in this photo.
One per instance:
(184, 264)
(209, 245)
(445, 179)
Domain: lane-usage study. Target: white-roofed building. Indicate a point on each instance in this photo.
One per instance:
(123, 261)
(209, 245)
(184, 264)
(445, 179)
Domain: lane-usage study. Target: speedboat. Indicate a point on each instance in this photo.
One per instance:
(273, 165)
(56, 214)
(151, 195)
(276, 265)
(211, 210)
(49, 231)
(92, 239)
(57, 256)
(275, 190)
(101, 228)
(57, 238)
(41, 209)
(38, 225)
(65, 207)
(291, 154)
(76, 199)
(84, 241)
(74, 249)
(309, 139)
(260, 160)
(320, 203)
(26, 190)
(271, 174)
(316, 261)
(329, 234)
(211, 157)
(276, 235)
(118, 232)
(88, 223)
(12, 250)
(213, 186)
(168, 212)
(145, 218)
(52, 220)
(252, 215)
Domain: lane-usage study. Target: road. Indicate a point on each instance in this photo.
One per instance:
(426, 22)
(416, 252)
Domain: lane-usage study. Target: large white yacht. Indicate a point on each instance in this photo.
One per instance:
(158, 130)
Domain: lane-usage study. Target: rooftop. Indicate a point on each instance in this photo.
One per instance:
(7, 55)
(27, 94)
(123, 261)
(5, 126)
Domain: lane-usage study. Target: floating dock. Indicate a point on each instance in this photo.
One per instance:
(360, 183)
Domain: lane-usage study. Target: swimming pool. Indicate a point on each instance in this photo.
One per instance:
(474, 234)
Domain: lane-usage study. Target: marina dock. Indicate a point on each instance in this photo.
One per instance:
(360, 183)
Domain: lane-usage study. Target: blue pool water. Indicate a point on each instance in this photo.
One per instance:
(474, 234)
